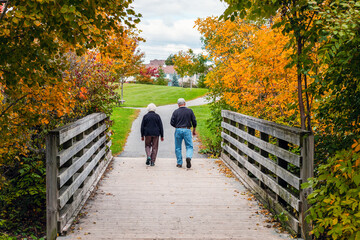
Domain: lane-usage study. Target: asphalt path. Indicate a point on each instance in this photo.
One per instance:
(136, 148)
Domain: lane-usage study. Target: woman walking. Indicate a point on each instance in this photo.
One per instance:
(151, 129)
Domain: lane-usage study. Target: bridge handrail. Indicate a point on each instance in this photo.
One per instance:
(77, 155)
(273, 160)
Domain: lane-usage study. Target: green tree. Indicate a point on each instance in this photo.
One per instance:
(160, 79)
(175, 81)
(170, 60)
(339, 25)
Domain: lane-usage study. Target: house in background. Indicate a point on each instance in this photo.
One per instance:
(170, 72)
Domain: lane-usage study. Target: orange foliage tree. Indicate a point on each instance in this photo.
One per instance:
(250, 71)
(122, 49)
(44, 84)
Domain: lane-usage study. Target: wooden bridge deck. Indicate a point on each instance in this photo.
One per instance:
(134, 201)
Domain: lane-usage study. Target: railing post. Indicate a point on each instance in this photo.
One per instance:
(51, 186)
(282, 163)
(306, 171)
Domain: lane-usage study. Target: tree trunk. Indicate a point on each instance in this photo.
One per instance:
(299, 80)
(122, 89)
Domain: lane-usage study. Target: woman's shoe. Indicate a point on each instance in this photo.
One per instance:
(148, 161)
(152, 164)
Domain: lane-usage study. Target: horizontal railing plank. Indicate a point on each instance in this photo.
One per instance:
(292, 222)
(269, 164)
(71, 210)
(70, 171)
(286, 133)
(268, 147)
(66, 195)
(70, 131)
(66, 154)
(274, 186)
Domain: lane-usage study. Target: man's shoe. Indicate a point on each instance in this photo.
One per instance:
(152, 164)
(188, 162)
(148, 161)
(179, 165)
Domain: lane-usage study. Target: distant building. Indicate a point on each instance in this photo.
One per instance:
(156, 62)
(170, 72)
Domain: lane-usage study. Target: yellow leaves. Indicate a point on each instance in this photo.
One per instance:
(37, 23)
(356, 146)
(251, 68)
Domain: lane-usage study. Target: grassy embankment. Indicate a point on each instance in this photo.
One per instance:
(207, 138)
(140, 95)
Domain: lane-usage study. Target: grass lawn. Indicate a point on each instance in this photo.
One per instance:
(202, 113)
(140, 95)
(123, 118)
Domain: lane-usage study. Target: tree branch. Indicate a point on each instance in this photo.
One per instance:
(12, 104)
(5, 9)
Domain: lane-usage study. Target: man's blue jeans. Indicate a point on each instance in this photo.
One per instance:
(180, 134)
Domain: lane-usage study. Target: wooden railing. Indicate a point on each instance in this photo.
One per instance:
(273, 160)
(76, 157)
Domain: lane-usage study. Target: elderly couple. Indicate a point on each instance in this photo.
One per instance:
(182, 119)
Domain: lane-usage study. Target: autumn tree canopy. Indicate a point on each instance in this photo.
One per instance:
(59, 61)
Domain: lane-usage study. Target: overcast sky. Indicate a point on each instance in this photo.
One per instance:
(168, 25)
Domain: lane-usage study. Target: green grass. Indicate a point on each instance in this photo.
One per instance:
(202, 113)
(123, 118)
(209, 141)
(140, 95)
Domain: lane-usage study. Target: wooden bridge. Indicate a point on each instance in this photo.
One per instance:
(134, 201)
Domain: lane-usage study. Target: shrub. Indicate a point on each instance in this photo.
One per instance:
(175, 81)
(23, 200)
(161, 80)
(335, 210)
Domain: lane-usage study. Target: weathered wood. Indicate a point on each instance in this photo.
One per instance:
(273, 129)
(307, 171)
(265, 138)
(51, 189)
(71, 130)
(266, 146)
(273, 185)
(70, 211)
(283, 164)
(85, 155)
(164, 202)
(265, 198)
(263, 170)
(67, 194)
(66, 154)
(273, 167)
(70, 171)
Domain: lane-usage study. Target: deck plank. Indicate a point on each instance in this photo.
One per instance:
(134, 201)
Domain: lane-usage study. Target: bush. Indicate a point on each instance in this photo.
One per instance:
(23, 174)
(201, 81)
(161, 80)
(23, 200)
(175, 81)
(335, 211)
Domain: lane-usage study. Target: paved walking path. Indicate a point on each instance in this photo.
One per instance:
(134, 146)
(135, 201)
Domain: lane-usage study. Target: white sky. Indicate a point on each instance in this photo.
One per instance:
(168, 26)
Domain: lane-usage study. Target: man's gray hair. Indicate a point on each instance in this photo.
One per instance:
(181, 101)
(151, 107)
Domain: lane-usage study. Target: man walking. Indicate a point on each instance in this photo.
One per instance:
(183, 119)
(151, 129)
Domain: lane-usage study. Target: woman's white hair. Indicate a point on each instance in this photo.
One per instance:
(151, 107)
